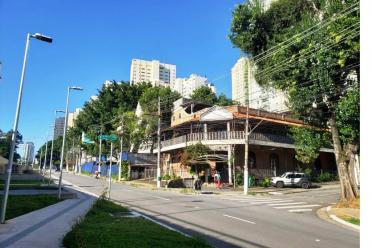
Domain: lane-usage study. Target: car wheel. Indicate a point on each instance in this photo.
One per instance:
(305, 185)
(280, 184)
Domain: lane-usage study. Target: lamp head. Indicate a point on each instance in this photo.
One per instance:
(41, 37)
(75, 88)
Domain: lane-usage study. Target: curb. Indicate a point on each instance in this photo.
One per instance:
(341, 221)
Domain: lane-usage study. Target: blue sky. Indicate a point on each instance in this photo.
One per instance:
(95, 41)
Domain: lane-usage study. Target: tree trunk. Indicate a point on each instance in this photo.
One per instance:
(351, 153)
(347, 190)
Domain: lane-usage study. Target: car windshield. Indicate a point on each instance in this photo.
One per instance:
(283, 175)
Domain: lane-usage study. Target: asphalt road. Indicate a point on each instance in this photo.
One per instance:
(236, 220)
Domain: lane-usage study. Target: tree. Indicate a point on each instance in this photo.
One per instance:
(317, 67)
(149, 104)
(102, 114)
(204, 94)
(5, 142)
(222, 100)
(191, 155)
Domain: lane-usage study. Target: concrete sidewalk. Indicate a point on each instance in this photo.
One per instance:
(46, 227)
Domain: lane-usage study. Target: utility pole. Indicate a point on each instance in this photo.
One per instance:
(46, 153)
(159, 144)
(121, 147)
(99, 153)
(110, 175)
(246, 152)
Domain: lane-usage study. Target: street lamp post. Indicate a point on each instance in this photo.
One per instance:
(46, 153)
(51, 150)
(64, 137)
(15, 127)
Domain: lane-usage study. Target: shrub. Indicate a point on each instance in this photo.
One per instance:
(125, 170)
(326, 177)
(265, 182)
(239, 178)
(166, 177)
(176, 183)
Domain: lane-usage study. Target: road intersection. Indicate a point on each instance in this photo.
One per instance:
(235, 220)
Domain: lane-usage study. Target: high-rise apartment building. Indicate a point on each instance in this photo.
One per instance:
(72, 117)
(186, 86)
(259, 98)
(28, 152)
(58, 127)
(158, 74)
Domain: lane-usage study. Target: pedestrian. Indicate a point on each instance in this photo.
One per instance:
(217, 180)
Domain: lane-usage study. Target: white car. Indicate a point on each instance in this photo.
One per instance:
(292, 179)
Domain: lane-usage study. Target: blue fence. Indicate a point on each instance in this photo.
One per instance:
(91, 167)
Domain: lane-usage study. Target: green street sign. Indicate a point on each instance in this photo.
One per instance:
(111, 137)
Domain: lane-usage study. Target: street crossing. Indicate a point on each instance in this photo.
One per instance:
(286, 204)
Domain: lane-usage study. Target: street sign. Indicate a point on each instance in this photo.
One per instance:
(111, 137)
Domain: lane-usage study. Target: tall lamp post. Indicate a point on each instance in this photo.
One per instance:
(64, 137)
(15, 127)
(51, 150)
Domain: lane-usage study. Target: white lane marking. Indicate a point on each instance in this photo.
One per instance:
(161, 198)
(300, 210)
(233, 217)
(329, 194)
(317, 240)
(290, 203)
(244, 199)
(299, 206)
(267, 202)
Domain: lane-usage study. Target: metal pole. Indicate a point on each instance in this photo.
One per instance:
(51, 150)
(99, 154)
(14, 135)
(121, 148)
(158, 183)
(63, 145)
(246, 161)
(109, 193)
(46, 153)
(41, 155)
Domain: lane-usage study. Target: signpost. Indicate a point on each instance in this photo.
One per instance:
(110, 138)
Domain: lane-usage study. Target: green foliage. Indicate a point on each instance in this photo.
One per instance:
(5, 142)
(325, 177)
(112, 102)
(308, 141)
(308, 171)
(239, 178)
(17, 206)
(265, 182)
(205, 95)
(125, 170)
(348, 116)
(166, 177)
(314, 70)
(106, 218)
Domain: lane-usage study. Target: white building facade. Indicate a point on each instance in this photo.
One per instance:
(72, 117)
(28, 152)
(158, 74)
(186, 86)
(267, 99)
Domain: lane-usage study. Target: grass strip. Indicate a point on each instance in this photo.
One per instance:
(352, 220)
(23, 204)
(103, 226)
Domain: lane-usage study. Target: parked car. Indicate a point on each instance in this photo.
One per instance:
(292, 179)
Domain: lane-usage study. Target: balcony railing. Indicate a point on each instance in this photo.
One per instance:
(224, 135)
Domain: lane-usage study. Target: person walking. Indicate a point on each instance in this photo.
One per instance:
(217, 180)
